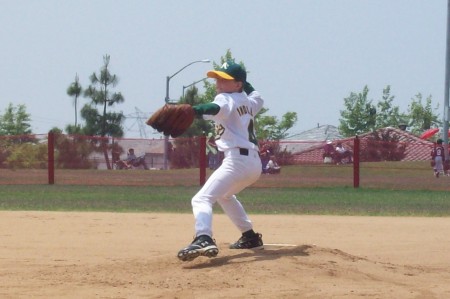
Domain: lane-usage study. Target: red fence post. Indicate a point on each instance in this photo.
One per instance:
(202, 160)
(356, 162)
(51, 158)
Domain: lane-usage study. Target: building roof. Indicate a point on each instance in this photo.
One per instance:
(310, 139)
(320, 133)
(416, 149)
(311, 151)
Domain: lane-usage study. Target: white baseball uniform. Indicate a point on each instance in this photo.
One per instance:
(241, 166)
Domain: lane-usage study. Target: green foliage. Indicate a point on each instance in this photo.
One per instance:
(76, 130)
(270, 128)
(74, 90)
(15, 121)
(388, 115)
(72, 152)
(27, 155)
(103, 123)
(359, 115)
(422, 117)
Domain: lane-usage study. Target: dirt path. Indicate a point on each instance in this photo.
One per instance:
(112, 255)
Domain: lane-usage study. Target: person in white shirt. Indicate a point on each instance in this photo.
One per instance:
(343, 153)
(233, 111)
(272, 166)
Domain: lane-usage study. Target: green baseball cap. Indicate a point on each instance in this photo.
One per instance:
(229, 71)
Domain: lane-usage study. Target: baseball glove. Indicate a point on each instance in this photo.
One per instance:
(432, 163)
(172, 119)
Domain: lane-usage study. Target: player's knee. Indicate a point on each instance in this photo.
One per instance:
(201, 199)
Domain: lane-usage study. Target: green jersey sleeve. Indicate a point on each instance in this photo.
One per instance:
(209, 109)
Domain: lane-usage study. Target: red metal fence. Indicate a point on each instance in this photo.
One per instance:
(371, 161)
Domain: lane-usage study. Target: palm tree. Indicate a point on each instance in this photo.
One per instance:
(74, 90)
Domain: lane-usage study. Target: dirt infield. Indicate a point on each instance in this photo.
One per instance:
(114, 255)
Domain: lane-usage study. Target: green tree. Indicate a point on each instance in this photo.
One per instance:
(388, 115)
(74, 90)
(270, 128)
(421, 116)
(15, 121)
(106, 123)
(359, 115)
(27, 155)
(73, 152)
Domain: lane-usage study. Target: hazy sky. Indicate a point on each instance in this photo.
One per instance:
(303, 56)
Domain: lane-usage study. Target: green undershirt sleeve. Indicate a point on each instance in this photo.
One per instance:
(209, 108)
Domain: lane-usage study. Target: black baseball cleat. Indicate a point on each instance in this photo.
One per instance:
(244, 242)
(201, 246)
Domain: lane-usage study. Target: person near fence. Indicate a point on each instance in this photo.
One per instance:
(343, 155)
(233, 110)
(328, 152)
(118, 163)
(134, 161)
(264, 154)
(272, 166)
(437, 158)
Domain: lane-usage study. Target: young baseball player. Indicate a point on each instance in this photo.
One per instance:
(438, 157)
(233, 111)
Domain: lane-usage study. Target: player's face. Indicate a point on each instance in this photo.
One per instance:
(228, 86)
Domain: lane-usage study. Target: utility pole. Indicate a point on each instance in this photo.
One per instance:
(447, 86)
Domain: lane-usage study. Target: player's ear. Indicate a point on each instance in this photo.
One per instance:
(240, 86)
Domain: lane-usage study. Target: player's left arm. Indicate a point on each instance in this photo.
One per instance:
(206, 109)
(254, 97)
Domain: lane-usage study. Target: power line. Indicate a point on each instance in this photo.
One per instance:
(140, 118)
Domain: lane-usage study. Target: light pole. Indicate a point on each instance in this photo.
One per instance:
(167, 100)
(447, 86)
(187, 86)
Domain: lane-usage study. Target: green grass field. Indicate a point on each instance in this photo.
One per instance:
(386, 188)
(318, 201)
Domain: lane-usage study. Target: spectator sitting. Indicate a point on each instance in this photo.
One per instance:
(342, 153)
(264, 155)
(328, 152)
(132, 160)
(272, 166)
(120, 164)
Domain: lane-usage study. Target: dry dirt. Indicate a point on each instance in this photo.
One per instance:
(124, 255)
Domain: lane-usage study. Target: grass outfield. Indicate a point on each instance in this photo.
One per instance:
(380, 175)
(287, 200)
